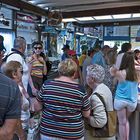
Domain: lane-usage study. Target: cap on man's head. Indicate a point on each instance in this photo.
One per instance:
(2, 48)
(66, 47)
(71, 52)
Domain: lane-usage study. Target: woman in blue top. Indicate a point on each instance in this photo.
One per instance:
(126, 93)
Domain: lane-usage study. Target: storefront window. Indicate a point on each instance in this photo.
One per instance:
(8, 40)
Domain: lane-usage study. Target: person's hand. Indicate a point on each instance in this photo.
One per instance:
(34, 91)
(25, 107)
(41, 60)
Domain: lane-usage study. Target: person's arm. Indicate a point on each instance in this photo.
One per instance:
(98, 118)
(86, 107)
(20, 131)
(8, 129)
(30, 62)
(118, 74)
(113, 70)
(37, 105)
(34, 90)
(86, 114)
(45, 68)
(12, 114)
(39, 100)
(41, 60)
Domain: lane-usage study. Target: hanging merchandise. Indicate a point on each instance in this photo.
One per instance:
(27, 18)
(54, 18)
(70, 35)
(53, 45)
(83, 43)
(60, 44)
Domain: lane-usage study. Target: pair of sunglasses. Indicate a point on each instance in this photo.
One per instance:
(37, 48)
(2, 52)
(21, 71)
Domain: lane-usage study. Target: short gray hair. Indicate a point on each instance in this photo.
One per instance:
(18, 42)
(97, 72)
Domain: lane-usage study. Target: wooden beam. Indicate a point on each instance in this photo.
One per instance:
(99, 12)
(24, 6)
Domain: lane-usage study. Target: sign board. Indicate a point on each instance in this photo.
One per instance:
(7, 17)
(116, 31)
(24, 26)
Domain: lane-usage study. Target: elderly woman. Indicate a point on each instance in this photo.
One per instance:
(98, 118)
(14, 70)
(64, 105)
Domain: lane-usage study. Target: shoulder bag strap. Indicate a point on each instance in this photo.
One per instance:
(6, 57)
(101, 98)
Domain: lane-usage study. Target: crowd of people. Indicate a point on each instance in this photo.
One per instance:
(65, 102)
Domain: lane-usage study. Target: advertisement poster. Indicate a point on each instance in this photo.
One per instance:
(116, 31)
(135, 33)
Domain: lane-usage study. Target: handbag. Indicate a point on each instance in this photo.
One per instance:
(109, 129)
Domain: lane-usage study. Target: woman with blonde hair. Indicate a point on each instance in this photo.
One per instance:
(64, 104)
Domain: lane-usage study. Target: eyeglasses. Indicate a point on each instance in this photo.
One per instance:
(37, 48)
(3, 51)
(21, 72)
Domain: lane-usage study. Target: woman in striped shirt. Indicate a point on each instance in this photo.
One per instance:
(64, 103)
(37, 65)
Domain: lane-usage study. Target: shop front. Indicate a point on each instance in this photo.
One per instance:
(6, 28)
(27, 29)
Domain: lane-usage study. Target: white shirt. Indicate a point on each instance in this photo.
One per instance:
(119, 60)
(25, 115)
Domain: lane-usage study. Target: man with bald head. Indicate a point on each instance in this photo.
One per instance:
(17, 54)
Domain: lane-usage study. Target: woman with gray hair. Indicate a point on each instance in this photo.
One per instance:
(98, 118)
(65, 103)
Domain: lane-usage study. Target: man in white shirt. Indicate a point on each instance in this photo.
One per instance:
(17, 54)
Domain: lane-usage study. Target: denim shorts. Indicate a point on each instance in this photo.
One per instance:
(43, 137)
(121, 104)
